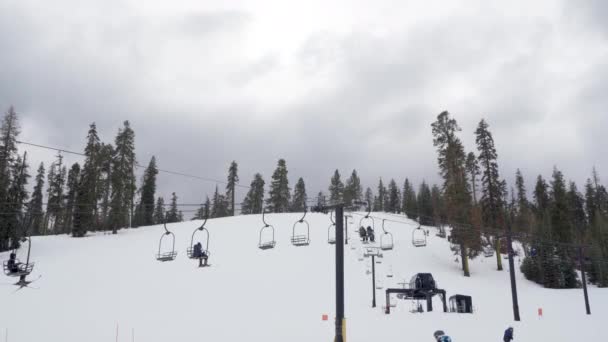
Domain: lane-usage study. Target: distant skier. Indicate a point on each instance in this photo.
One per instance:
(362, 234)
(508, 335)
(370, 234)
(440, 336)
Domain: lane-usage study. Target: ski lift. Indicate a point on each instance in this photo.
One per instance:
(302, 239)
(386, 240)
(166, 254)
(204, 252)
(264, 242)
(367, 217)
(419, 237)
(14, 268)
(331, 239)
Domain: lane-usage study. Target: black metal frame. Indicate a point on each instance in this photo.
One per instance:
(205, 251)
(166, 256)
(386, 246)
(300, 240)
(369, 211)
(266, 244)
(418, 242)
(333, 224)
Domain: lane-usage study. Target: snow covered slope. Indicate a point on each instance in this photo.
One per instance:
(91, 285)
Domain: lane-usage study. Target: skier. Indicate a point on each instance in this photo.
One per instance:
(13, 264)
(440, 336)
(362, 234)
(370, 234)
(508, 335)
(198, 250)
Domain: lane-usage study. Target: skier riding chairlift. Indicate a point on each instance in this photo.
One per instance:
(363, 234)
(13, 264)
(370, 234)
(440, 336)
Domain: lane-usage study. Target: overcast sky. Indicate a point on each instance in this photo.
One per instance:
(324, 84)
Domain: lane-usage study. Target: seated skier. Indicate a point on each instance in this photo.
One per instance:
(508, 335)
(197, 252)
(362, 234)
(13, 264)
(440, 336)
(370, 234)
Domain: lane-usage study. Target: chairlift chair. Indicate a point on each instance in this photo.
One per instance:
(205, 251)
(331, 239)
(267, 230)
(488, 251)
(302, 239)
(19, 269)
(386, 240)
(166, 254)
(418, 237)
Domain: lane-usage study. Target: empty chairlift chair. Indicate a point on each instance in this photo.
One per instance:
(165, 253)
(386, 240)
(331, 230)
(301, 236)
(419, 237)
(202, 253)
(266, 235)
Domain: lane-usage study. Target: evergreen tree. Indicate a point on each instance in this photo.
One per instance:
(492, 190)
(321, 199)
(457, 197)
(523, 216)
(233, 179)
(541, 197)
(369, 198)
(106, 153)
(394, 197)
(353, 191)
(203, 211)
(439, 214)
(299, 197)
(562, 230)
(410, 204)
(172, 213)
(55, 202)
(70, 197)
(279, 194)
(425, 205)
(219, 206)
(35, 214)
(9, 131)
(123, 178)
(17, 195)
(159, 211)
(379, 200)
(254, 200)
(148, 191)
(85, 213)
(336, 189)
(473, 171)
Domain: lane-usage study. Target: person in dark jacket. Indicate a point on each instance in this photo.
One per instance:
(197, 252)
(370, 234)
(440, 336)
(13, 264)
(362, 234)
(508, 335)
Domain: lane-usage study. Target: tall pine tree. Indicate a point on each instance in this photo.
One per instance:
(35, 212)
(410, 205)
(379, 200)
(173, 213)
(254, 200)
(425, 205)
(352, 191)
(299, 197)
(123, 178)
(148, 192)
(85, 213)
(159, 211)
(394, 198)
(70, 198)
(55, 195)
(336, 189)
(233, 180)
(280, 193)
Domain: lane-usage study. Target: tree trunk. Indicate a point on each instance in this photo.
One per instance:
(465, 260)
(498, 255)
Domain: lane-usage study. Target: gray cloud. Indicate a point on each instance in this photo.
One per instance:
(203, 88)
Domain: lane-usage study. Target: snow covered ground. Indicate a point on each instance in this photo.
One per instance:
(92, 285)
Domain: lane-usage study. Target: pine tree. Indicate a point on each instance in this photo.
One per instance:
(55, 202)
(336, 189)
(70, 198)
(35, 214)
(425, 205)
(394, 198)
(9, 131)
(123, 178)
(85, 213)
(562, 230)
(473, 171)
(410, 204)
(279, 194)
(321, 199)
(254, 200)
(219, 206)
(203, 211)
(523, 213)
(172, 213)
(159, 211)
(233, 179)
(17, 195)
(457, 197)
(439, 214)
(379, 200)
(106, 153)
(148, 191)
(299, 197)
(492, 190)
(352, 191)
(369, 198)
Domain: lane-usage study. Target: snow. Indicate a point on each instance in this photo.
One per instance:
(91, 287)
